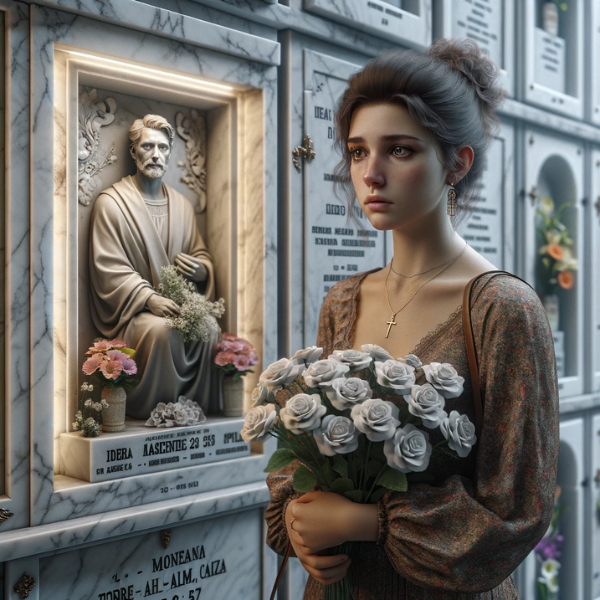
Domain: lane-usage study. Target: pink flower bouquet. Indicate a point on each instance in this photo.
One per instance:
(111, 362)
(235, 356)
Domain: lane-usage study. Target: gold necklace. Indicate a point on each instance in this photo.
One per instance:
(392, 319)
(421, 273)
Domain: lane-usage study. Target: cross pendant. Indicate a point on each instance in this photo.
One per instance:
(389, 324)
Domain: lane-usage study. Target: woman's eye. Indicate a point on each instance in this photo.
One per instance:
(397, 151)
(355, 153)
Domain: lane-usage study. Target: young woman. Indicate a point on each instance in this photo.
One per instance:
(413, 128)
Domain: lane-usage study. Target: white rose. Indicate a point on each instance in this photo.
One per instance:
(323, 372)
(412, 360)
(353, 358)
(394, 374)
(409, 449)
(426, 403)
(307, 356)
(260, 395)
(345, 393)
(302, 413)
(376, 418)
(444, 378)
(279, 373)
(259, 421)
(337, 435)
(376, 352)
(459, 432)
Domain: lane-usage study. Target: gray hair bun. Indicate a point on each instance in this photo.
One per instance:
(466, 57)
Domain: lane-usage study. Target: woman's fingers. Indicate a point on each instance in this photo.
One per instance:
(188, 260)
(328, 575)
(187, 269)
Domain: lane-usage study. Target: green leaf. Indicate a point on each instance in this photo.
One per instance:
(304, 480)
(340, 465)
(342, 485)
(375, 496)
(448, 452)
(280, 458)
(354, 495)
(392, 479)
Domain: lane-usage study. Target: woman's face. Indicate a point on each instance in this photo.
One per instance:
(396, 172)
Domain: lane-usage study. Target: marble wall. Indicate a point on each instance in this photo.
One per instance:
(265, 74)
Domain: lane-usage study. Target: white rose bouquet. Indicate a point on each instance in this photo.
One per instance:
(337, 418)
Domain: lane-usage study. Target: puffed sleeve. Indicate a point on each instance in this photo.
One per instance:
(469, 537)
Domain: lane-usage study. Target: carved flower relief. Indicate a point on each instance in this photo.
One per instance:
(93, 114)
(192, 130)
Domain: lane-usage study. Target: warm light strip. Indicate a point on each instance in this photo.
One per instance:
(199, 83)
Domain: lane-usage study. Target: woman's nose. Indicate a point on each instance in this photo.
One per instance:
(373, 175)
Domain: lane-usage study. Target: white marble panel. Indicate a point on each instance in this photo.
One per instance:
(593, 275)
(212, 558)
(489, 229)
(128, 521)
(17, 358)
(592, 78)
(593, 516)
(92, 37)
(554, 167)
(489, 22)
(539, 89)
(301, 55)
(407, 23)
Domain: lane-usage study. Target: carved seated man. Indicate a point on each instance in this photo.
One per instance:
(138, 226)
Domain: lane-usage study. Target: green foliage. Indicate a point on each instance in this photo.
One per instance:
(354, 495)
(342, 485)
(280, 458)
(304, 480)
(340, 465)
(394, 480)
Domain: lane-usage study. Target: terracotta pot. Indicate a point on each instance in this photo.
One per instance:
(551, 305)
(113, 417)
(233, 397)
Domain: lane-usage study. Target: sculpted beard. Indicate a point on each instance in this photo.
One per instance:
(152, 172)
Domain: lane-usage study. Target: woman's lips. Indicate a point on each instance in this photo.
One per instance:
(377, 203)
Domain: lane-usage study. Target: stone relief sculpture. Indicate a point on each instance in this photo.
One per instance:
(139, 225)
(192, 130)
(93, 114)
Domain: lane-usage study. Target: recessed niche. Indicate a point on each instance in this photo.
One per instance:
(556, 181)
(554, 56)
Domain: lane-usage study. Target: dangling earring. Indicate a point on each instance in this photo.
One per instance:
(451, 200)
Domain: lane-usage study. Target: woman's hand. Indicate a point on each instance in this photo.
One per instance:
(323, 567)
(162, 307)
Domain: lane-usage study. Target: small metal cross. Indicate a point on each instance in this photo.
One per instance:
(389, 324)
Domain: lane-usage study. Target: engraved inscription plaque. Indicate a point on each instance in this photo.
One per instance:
(335, 247)
(207, 560)
(484, 228)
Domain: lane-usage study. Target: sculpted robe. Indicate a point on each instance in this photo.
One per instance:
(126, 255)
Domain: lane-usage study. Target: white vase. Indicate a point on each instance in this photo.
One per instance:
(551, 305)
(550, 18)
(233, 397)
(113, 417)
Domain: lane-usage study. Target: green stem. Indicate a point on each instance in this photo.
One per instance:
(365, 470)
(375, 483)
(440, 443)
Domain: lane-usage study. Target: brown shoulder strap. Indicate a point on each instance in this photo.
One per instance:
(281, 570)
(470, 344)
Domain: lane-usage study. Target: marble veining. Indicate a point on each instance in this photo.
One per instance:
(48, 343)
(158, 21)
(93, 529)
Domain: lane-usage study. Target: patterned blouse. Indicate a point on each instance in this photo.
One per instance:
(464, 535)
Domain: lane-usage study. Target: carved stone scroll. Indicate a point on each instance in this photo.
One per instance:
(93, 114)
(192, 130)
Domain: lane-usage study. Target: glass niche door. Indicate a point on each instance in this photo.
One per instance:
(593, 314)
(553, 246)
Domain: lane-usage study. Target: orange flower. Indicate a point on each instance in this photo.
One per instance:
(565, 279)
(555, 251)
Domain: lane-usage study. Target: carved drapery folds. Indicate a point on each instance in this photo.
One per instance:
(192, 130)
(93, 114)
